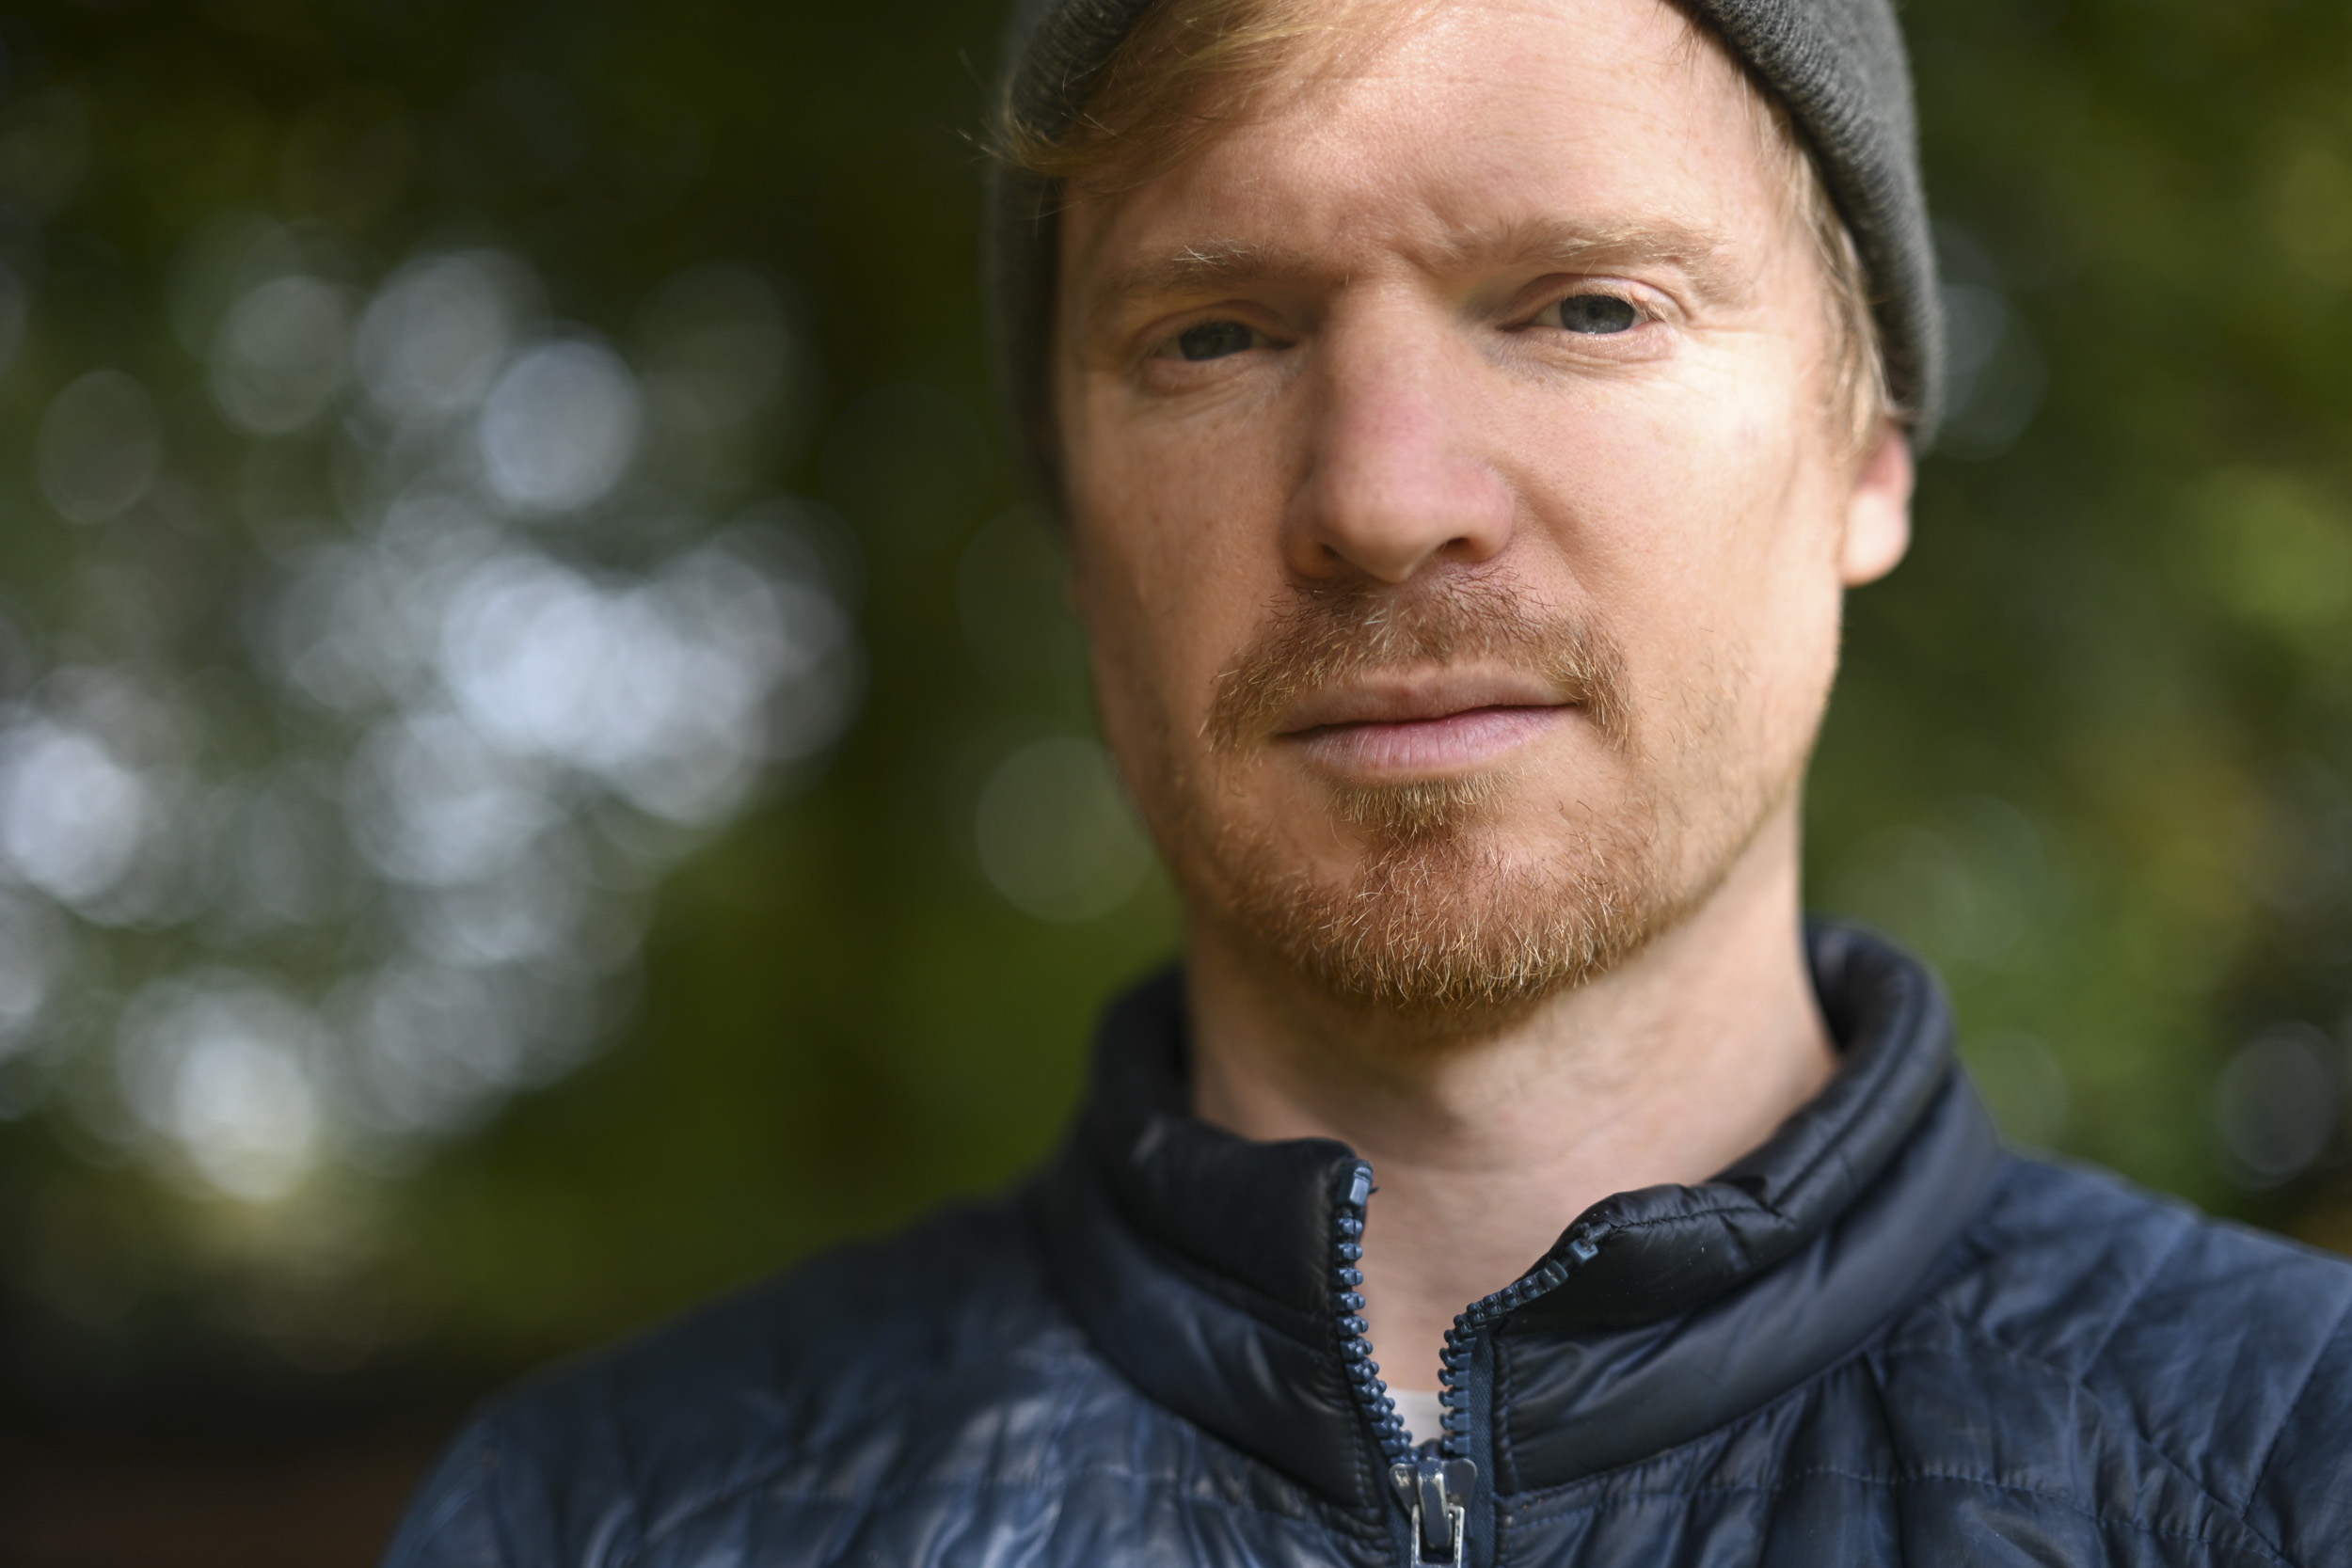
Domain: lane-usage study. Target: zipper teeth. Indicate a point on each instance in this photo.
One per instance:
(1461, 1340)
(1364, 1372)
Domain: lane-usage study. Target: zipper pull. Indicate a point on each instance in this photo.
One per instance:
(1436, 1491)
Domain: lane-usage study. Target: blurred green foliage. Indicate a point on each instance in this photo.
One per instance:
(2091, 745)
(2091, 753)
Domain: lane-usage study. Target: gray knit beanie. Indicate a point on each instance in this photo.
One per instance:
(1838, 65)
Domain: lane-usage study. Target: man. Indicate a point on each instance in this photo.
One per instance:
(1467, 418)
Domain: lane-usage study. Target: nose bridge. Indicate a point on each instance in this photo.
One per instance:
(1398, 475)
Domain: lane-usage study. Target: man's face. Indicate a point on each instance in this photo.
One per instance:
(1457, 511)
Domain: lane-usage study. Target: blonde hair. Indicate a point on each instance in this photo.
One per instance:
(1186, 71)
(1190, 70)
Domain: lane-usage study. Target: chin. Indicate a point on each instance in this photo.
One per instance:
(1457, 907)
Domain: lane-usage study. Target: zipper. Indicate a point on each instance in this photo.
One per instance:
(1364, 1372)
(1439, 1490)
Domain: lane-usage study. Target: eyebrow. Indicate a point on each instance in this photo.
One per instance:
(1706, 255)
(1204, 268)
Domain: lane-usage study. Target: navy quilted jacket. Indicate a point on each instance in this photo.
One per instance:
(1877, 1339)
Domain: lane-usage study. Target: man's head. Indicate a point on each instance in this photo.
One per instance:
(1456, 412)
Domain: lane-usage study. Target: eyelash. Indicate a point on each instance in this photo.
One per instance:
(1173, 346)
(1636, 314)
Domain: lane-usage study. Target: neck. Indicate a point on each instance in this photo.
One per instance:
(1666, 1069)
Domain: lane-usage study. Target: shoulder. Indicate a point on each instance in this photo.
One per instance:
(2219, 1357)
(2104, 1278)
(825, 1383)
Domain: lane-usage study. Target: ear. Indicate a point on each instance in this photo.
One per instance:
(1878, 513)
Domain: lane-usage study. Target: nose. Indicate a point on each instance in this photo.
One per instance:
(1396, 478)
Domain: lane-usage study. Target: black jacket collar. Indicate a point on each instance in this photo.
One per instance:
(1200, 1263)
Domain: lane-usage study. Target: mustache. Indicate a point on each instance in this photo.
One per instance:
(1327, 636)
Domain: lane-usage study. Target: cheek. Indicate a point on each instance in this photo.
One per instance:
(1176, 561)
(1154, 666)
(1702, 533)
(1121, 638)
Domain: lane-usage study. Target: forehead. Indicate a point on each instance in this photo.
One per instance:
(1448, 129)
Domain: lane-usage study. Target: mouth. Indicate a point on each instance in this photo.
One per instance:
(1425, 728)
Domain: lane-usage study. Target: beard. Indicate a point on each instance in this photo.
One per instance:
(1444, 918)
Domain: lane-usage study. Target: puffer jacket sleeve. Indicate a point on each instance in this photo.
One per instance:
(543, 1480)
(452, 1522)
(2302, 1496)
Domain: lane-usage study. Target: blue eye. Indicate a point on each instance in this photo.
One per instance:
(1214, 339)
(1598, 314)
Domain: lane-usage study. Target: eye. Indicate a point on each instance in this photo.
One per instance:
(1597, 315)
(1214, 340)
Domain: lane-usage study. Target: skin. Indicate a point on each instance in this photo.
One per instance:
(1396, 236)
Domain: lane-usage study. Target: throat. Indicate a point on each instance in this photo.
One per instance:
(1489, 1149)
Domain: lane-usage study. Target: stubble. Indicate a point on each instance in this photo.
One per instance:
(1443, 920)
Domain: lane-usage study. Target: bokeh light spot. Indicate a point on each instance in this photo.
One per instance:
(435, 335)
(279, 355)
(217, 1063)
(72, 817)
(2277, 1104)
(560, 427)
(98, 447)
(1055, 834)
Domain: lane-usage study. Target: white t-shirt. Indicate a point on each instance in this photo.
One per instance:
(1423, 1414)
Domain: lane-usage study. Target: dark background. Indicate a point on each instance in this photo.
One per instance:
(259, 1247)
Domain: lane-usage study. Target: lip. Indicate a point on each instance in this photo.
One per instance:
(1434, 725)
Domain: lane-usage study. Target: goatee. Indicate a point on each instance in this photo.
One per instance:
(1443, 919)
